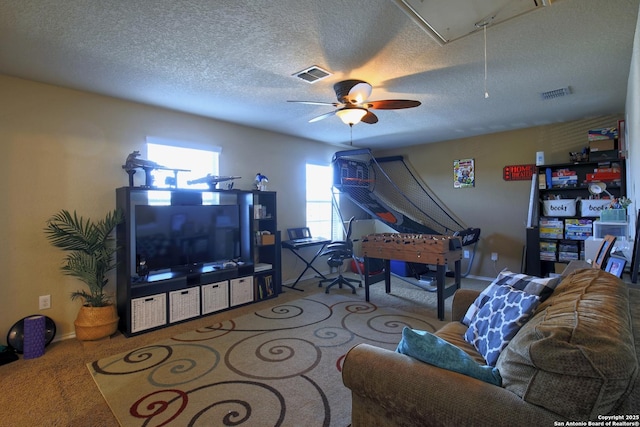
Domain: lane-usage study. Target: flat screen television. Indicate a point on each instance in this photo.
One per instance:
(183, 237)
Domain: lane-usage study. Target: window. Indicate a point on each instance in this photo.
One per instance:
(320, 201)
(196, 162)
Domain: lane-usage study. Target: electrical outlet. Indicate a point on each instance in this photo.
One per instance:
(494, 256)
(466, 254)
(44, 302)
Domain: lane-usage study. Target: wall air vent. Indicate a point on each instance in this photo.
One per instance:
(557, 93)
(312, 74)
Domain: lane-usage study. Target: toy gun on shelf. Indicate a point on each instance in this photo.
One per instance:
(133, 162)
(214, 180)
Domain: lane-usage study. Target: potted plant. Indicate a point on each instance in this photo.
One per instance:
(91, 254)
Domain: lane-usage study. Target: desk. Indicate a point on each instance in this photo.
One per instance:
(422, 249)
(295, 246)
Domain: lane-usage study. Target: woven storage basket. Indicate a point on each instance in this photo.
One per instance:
(94, 323)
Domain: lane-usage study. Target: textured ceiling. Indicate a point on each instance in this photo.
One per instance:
(233, 60)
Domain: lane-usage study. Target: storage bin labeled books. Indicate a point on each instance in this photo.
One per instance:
(562, 207)
(593, 207)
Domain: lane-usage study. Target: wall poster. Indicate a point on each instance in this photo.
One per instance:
(463, 173)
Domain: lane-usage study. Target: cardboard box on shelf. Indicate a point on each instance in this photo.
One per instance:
(564, 181)
(551, 228)
(548, 251)
(603, 155)
(602, 145)
(267, 239)
(577, 229)
(603, 133)
(564, 178)
(603, 176)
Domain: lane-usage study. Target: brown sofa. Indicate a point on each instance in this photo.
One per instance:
(576, 359)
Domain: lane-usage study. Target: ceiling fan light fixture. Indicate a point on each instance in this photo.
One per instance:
(351, 115)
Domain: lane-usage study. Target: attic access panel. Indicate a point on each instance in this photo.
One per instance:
(448, 20)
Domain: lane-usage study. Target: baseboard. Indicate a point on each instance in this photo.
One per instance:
(307, 277)
(312, 276)
(488, 279)
(66, 336)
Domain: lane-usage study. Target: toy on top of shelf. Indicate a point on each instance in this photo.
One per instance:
(620, 203)
(261, 182)
(133, 162)
(213, 180)
(579, 156)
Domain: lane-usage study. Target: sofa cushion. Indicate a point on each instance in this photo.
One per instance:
(453, 333)
(498, 321)
(542, 287)
(576, 355)
(435, 351)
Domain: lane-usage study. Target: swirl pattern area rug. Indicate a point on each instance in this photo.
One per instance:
(277, 367)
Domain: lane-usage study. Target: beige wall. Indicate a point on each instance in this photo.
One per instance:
(498, 207)
(64, 149)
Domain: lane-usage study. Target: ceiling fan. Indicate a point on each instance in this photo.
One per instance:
(353, 105)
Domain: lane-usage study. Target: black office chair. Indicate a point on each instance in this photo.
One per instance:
(338, 252)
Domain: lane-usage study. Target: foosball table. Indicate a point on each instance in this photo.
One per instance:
(429, 249)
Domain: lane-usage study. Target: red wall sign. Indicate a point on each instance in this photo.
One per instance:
(518, 172)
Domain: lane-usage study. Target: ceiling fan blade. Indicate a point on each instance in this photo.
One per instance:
(369, 118)
(335, 104)
(322, 117)
(352, 95)
(352, 91)
(392, 104)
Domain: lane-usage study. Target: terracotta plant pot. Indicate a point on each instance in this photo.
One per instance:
(94, 323)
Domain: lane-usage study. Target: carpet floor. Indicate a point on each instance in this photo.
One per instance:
(246, 363)
(274, 367)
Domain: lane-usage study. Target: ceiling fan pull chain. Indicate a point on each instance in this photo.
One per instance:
(351, 134)
(486, 92)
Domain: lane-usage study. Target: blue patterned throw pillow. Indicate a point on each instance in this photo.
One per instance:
(540, 286)
(499, 320)
(480, 301)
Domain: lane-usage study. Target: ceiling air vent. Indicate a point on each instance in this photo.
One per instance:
(557, 93)
(312, 74)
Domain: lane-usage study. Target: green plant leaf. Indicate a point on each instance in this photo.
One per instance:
(91, 250)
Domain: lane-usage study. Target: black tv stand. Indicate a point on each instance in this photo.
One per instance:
(162, 298)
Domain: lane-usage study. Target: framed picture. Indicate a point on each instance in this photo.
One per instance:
(464, 173)
(604, 251)
(615, 265)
